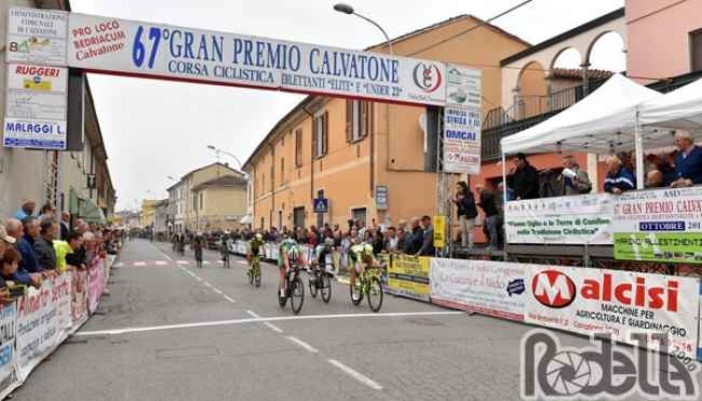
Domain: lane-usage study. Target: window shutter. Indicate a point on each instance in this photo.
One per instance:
(314, 137)
(325, 134)
(364, 119)
(349, 120)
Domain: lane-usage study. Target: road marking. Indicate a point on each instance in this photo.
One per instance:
(138, 264)
(198, 278)
(205, 262)
(208, 285)
(253, 314)
(118, 264)
(358, 376)
(228, 298)
(218, 291)
(183, 262)
(161, 263)
(273, 327)
(128, 330)
(302, 344)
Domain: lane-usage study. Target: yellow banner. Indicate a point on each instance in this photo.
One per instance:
(37, 86)
(409, 276)
(439, 231)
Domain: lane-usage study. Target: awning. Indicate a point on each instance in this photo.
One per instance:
(680, 109)
(600, 123)
(90, 212)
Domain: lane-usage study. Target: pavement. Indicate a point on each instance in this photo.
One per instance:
(171, 331)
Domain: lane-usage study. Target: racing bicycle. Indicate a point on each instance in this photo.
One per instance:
(294, 289)
(254, 271)
(320, 281)
(368, 284)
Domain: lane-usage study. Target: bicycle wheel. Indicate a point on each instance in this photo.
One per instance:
(250, 273)
(297, 295)
(375, 294)
(257, 274)
(282, 299)
(326, 289)
(356, 292)
(313, 283)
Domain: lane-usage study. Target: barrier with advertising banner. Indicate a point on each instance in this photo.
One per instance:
(582, 219)
(8, 317)
(586, 301)
(96, 281)
(491, 288)
(408, 276)
(79, 298)
(662, 225)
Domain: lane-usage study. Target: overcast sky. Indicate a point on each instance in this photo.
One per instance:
(154, 129)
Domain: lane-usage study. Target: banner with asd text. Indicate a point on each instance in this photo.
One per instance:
(595, 301)
(662, 225)
(490, 288)
(408, 276)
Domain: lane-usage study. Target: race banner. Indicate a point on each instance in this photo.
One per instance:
(662, 225)
(581, 219)
(38, 323)
(96, 283)
(178, 53)
(587, 301)
(8, 315)
(408, 276)
(65, 319)
(490, 288)
(79, 298)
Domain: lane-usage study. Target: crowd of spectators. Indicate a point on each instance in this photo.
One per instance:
(37, 247)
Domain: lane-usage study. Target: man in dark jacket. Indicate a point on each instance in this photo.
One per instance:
(44, 245)
(525, 179)
(427, 248)
(414, 238)
(489, 205)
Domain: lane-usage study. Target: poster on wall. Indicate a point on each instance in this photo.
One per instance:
(37, 36)
(490, 288)
(581, 219)
(461, 144)
(622, 303)
(659, 226)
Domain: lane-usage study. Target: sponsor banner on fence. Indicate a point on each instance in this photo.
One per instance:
(662, 225)
(37, 36)
(79, 299)
(409, 276)
(8, 315)
(491, 288)
(581, 219)
(586, 301)
(38, 323)
(132, 47)
(96, 283)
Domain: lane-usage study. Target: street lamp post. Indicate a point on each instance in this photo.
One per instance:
(347, 9)
(232, 155)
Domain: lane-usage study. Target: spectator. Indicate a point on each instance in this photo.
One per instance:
(413, 242)
(402, 225)
(89, 245)
(391, 240)
(26, 210)
(65, 225)
(378, 242)
(688, 161)
(77, 257)
(663, 164)
(8, 268)
(48, 210)
(574, 180)
(61, 249)
(15, 229)
(44, 246)
(619, 178)
(6, 240)
(655, 179)
(25, 245)
(525, 179)
(467, 212)
(401, 239)
(489, 206)
(427, 248)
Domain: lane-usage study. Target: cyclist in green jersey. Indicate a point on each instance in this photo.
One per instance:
(255, 246)
(360, 257)
(290, 253)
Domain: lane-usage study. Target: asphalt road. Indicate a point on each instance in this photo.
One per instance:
(171, 331)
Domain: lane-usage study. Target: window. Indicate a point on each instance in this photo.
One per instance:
(282, 171)
(320, 135)
(696, 50)
(195, 202)
(298, 148)
(263, 184)
(358, 120)
(201, 201)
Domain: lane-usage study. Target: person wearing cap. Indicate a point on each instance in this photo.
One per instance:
(26, 210)
(15, 230)
(688, 161)
(525, 180)
(5, 240)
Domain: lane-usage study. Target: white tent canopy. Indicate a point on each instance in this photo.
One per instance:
(601, 122)
(680, 109)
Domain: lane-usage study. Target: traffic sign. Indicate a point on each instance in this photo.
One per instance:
(321, 205)
(381, 197)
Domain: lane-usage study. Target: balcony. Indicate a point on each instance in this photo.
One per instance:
(531, 110)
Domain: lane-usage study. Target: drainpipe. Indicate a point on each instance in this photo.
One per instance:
(311, 155)
(270, 214)
(586, 78)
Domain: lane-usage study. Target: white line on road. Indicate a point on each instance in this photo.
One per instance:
(302, 344)
(161, 263)
(253, 314)
(205, 262)
(273, 327)
(358, 376)
(218, 291)
(118, 264)
(260, 320)
(208, 285)
(137, 264)
(183, 262)
(198, 278)
(228, 298)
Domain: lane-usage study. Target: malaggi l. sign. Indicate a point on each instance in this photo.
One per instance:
(144, 49)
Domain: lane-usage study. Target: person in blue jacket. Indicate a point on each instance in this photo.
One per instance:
(619, 178)
(688, 161)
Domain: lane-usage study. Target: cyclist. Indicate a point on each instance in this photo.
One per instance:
(360, 257)
(254, 251)
(320, 261)
(224, 245)
(198, 243)
(291, 254)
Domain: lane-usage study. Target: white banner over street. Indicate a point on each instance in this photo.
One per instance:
(144, 49)
(587, 301)
(581, 219)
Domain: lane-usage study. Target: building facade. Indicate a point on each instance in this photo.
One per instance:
(161, 220)
(344, 150)
(220, 203)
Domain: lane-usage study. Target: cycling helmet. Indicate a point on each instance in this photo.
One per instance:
(259, 237)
